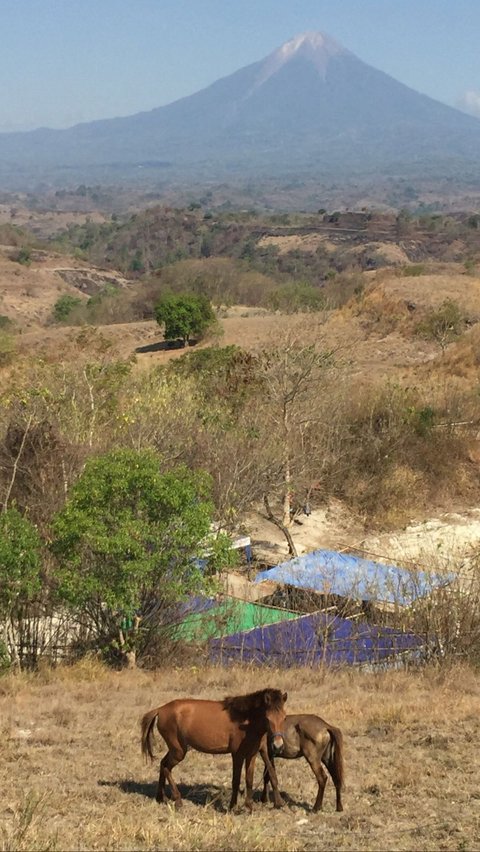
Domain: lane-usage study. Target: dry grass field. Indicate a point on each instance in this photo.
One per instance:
(72, 776)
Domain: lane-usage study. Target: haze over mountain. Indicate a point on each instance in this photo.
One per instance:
(310, 106)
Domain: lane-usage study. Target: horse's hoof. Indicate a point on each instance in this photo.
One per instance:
(249, 807)
(279, 803)
(178, 804)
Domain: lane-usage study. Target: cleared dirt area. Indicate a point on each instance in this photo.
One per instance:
(388, 354)
(72, 775)
(301, 242)
(372, 336)
(432, 290)
(28, 291)
(440, 542)
(47, 223)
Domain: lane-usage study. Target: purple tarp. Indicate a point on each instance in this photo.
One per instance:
(314, 639)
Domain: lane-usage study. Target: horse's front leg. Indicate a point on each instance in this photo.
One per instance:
(266, 776)
(249, 772)
(237, 763)
(271, 773)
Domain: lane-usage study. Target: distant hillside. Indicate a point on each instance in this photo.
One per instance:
(309, 107)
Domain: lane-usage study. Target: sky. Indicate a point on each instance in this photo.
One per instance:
(67, 61)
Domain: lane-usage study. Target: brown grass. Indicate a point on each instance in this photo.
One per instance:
(72, 776)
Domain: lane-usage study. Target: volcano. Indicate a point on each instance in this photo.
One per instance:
(311, 106)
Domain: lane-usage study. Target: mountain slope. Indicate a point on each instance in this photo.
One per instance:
(310, 104)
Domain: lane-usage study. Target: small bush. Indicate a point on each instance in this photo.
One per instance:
(7, 348)
(291, 298)
(450, 617)
(64, 307)
(443, 324)
(24, 256)
(414, 270)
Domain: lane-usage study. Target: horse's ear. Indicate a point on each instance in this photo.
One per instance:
(285, 696)
(267, 699)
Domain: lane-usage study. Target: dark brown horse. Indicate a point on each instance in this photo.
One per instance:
(233, 726)
(319, 743)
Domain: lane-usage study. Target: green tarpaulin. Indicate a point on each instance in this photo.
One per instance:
(227, 617)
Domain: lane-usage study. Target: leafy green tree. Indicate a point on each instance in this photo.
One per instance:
(20, 573)
(126, 541)
(184, 316)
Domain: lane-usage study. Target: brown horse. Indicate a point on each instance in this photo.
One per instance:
(233, 726)
(319, 743)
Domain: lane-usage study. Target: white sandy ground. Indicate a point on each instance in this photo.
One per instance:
(445, 542)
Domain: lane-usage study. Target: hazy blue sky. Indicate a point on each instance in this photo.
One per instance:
(66, 61)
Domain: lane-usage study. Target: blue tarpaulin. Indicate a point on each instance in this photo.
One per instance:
(343, 574)
(196, 604)
(315, 639)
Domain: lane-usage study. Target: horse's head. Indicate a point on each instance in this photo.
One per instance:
(275, 716)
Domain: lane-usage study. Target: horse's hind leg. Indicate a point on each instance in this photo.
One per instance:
(338, 790)
(161, 784)
(310, 752)
(338, 785)
(174, 756)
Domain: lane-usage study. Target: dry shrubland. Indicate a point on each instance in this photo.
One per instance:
(73, 777)
(346, 403)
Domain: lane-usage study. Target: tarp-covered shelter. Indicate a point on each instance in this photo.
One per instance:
(345, 575)
(201, 619)
(319, 638)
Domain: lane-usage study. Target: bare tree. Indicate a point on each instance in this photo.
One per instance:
(294, 376)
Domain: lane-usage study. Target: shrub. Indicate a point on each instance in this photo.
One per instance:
(414, 270)
(20, 574)
(443, 324)
(64, 307)
(7, 347)
(24, 256)
(291, 298)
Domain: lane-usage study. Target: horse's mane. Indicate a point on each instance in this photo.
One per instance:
(242, 706)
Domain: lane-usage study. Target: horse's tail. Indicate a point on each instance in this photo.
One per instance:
(148, 723)
(334, 758)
